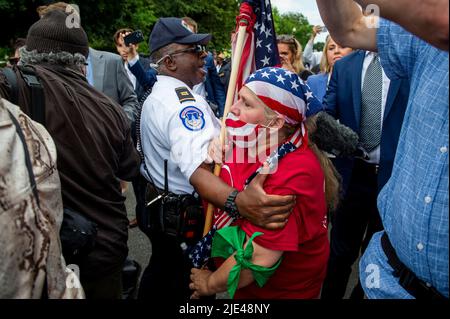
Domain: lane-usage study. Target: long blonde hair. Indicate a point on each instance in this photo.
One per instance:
(331, 175)
(325, 67)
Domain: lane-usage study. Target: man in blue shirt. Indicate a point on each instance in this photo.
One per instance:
(410, 258)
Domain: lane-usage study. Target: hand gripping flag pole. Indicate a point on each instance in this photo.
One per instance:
(245, 21)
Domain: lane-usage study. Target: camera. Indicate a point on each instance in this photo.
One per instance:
(134, 38)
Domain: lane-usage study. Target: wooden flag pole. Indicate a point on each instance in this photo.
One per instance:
(229, 101)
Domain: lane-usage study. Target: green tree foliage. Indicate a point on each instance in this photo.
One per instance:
(292, 23)
(108, 16)
(101, 18)
(17, 17)
(217, 17)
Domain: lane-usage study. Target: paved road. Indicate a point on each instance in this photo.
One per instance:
(140, 248)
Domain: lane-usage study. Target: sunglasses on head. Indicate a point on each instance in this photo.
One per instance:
(287, 39)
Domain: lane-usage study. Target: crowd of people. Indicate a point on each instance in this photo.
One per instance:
(78, 124)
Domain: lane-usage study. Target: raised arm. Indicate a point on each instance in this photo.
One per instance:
(308, 55)
(347, 25)
(427, 19)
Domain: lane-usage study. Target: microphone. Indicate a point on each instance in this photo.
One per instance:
(335, 138)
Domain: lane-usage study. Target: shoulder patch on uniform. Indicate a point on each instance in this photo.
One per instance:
(184, 94)
(193, 119)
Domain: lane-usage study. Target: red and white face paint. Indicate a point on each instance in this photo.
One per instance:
(248, 135)
(242, 134)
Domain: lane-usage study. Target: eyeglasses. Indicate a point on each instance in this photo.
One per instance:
(198, 49)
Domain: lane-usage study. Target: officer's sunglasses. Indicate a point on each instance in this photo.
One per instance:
(198, 49)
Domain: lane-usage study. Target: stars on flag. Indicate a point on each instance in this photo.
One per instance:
(280, 78)
(201, 251)
(265, 61)
(266, 53)
(265, 75)
(274, 70)
(289, 73)
(262, 29)
(309, 95)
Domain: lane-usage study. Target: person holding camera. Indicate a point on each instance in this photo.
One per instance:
(141, 75)
(177, 127)
(310, 57)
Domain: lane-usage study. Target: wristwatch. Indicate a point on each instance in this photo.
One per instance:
(230, 205)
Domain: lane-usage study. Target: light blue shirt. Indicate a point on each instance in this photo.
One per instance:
(89, 71)
(413, 204)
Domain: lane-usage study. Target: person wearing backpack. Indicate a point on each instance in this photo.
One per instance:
(92, 138)
(31, 261)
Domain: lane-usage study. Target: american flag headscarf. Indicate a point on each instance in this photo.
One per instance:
(285, 93)
(282, 91)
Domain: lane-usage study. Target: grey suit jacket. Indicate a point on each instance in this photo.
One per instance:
(110, 77)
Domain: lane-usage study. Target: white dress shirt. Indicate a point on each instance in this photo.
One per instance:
(177, 131)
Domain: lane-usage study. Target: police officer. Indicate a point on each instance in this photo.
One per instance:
(177, 126)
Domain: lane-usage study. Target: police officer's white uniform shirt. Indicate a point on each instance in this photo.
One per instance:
(177, 131)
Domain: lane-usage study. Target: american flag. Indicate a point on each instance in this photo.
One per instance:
(260, 46)
(200, 252)
(287, 94)
(260, 50)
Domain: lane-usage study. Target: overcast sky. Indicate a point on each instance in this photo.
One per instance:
(307, 7)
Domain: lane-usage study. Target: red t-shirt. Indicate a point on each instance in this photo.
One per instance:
(304, 240)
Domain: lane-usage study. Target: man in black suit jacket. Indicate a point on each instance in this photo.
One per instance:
(356, 83)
